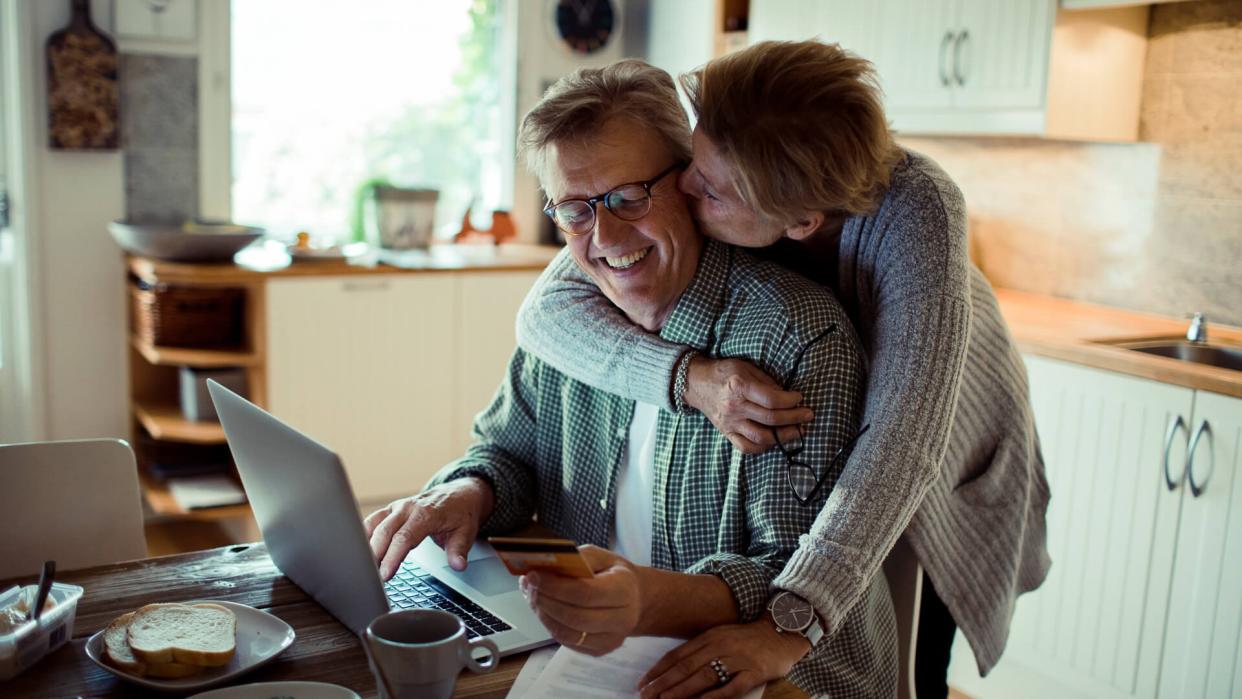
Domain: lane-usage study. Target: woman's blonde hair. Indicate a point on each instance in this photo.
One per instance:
(578, 105)
(802, 124)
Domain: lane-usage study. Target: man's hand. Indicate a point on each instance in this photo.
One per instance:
(752, 654)
(607, 607)
(744, 403)
(450, 514)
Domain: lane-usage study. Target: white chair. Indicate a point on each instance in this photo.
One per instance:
(905, 584)
(75, 502)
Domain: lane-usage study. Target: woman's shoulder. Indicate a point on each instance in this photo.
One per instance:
(917, 180)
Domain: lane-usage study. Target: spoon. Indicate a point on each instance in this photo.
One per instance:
(45, 584)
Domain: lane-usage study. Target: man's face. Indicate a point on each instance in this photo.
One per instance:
(642, 266)
(715, 203)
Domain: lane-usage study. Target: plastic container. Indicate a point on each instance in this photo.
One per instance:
(25, 644)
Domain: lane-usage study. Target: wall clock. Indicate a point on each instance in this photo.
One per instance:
(584, 25)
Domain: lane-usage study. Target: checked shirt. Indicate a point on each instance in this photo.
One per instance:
(551, 446)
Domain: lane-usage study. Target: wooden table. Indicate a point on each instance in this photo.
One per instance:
(325, 651)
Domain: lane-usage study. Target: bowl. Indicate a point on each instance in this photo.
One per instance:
(194, 241)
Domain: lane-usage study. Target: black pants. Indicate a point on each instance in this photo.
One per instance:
(931, 653)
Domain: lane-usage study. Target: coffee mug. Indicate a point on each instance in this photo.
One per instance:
(419, 653)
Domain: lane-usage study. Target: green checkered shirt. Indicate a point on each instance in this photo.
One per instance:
(551, 446)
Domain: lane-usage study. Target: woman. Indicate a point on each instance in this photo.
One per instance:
(792, 153)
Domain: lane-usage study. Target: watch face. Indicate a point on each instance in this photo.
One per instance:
(792, 613)
(585, 25)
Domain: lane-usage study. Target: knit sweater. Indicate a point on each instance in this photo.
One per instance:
(951, 458)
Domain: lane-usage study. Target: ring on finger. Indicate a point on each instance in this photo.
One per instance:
(722, 671)
(581, 639)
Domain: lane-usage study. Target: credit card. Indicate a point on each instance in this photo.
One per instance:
(521, 555)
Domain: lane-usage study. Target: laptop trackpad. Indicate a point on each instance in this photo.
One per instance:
(487, 575)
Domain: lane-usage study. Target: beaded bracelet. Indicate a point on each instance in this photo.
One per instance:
(681, 379)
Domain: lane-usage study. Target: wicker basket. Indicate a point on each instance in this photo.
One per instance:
(182, 316)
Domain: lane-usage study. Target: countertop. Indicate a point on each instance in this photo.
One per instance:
(259, 262)
(1078, 332)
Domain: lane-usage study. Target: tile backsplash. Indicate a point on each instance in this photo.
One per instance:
(1151, 226)
(159, 132)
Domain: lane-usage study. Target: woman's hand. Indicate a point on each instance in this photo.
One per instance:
(590, 615)
(744, 403)
(752, 654)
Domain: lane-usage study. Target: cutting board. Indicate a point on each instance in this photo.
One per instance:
(82, 91)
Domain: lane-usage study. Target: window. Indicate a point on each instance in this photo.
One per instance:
(331, 95)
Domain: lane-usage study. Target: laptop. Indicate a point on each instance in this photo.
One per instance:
(305, 508)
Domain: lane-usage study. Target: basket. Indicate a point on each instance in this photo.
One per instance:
(183, 316)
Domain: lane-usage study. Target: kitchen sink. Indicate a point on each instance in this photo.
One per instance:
(1211, 355)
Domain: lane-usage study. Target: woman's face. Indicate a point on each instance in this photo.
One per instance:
(715, 202)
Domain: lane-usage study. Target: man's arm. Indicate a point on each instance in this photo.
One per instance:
(490, 489)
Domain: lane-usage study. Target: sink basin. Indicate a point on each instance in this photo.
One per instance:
(1211, 355)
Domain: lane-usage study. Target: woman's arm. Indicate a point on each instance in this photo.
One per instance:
(568, 322)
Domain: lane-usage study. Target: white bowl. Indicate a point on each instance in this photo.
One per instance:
(191, 242)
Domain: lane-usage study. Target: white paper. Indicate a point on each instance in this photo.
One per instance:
(193, 492)
(573, 675)
(531, 670)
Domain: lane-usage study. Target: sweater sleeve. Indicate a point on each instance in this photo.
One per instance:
(919, 335)
(568, 322)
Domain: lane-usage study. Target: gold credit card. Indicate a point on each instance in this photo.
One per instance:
(521, 555)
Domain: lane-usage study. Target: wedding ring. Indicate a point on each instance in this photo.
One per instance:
(581, 639)
(722, 672)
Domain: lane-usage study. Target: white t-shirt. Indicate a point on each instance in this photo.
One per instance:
(635, 488)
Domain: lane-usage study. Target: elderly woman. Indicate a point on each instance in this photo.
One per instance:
(792, 154)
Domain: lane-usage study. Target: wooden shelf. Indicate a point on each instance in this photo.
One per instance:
(162, 503)
(167, 422)
(184, 356)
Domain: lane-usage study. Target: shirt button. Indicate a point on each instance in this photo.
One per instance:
(603, 503)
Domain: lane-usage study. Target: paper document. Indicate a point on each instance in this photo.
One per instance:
(572, 675)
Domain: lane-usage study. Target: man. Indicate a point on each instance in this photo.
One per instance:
(687, 517)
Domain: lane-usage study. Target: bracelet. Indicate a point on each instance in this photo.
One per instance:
(680, 379)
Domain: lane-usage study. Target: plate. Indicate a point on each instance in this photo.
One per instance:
(260, 638)
(267, 690)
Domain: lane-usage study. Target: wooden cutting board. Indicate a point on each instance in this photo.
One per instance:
(82, 91)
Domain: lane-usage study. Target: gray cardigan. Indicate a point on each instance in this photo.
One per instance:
(952, 458)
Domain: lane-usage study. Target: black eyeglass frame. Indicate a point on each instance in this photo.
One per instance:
(791, 462)
(550, 209)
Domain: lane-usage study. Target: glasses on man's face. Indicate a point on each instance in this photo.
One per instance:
(801, 476)
(628, 202)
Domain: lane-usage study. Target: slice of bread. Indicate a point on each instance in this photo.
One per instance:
(202, 635)
(118, 654)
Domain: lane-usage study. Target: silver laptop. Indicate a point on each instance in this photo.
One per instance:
(305, 508)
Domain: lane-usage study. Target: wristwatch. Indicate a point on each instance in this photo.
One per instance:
(792, 614)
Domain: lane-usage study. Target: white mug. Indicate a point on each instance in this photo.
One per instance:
(418, 653)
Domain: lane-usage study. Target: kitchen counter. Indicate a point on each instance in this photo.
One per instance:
(1074, 332)
(271, 260)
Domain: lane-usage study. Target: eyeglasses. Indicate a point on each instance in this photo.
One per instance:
(801, 476)
(803, 480)
(628, 202)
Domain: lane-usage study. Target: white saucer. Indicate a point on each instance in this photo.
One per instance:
(267, 690)
(260, 638)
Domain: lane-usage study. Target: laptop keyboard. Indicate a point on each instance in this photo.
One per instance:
(414, 588)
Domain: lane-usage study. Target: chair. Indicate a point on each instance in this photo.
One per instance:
(905, 584)
(76, 502)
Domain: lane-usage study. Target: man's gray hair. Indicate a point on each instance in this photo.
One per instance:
(578, 105)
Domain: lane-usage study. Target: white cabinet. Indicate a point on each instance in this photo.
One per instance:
(363, 364)
(1000, 67)
(389, 370)
(1203, 656)
(1143, 598)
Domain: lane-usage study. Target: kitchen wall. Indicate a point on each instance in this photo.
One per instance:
(1152, 226)
(159, 132)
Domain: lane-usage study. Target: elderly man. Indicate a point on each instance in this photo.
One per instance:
(684, 532)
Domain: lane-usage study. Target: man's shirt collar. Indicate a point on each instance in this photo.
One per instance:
(693, 319)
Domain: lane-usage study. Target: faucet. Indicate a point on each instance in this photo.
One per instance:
(1198, 332)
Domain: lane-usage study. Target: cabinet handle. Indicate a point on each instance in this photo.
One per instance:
(1197, 489)
(958, 73)
(381, 285)
(1174, 426)
(944, 48)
